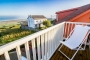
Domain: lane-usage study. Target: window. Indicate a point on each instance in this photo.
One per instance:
(40, 21)
(36, 21)
(35, 25)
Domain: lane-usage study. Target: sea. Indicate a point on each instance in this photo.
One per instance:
(7, 18)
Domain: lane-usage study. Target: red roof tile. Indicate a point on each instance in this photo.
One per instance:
(75, 13)
(66, 10)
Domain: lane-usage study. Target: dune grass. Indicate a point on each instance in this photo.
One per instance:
(10, 32)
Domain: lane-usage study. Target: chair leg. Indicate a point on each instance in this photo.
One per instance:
(60, 47)
(76, 52)
(67, 56)
(89, 44)
(62, 52)
(74, 55)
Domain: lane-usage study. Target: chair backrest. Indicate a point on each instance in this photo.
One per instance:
(77, 37)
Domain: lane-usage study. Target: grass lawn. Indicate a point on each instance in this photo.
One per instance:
(8, 24)
(12, 32)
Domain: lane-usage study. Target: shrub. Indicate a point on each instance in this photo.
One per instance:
(47, 23)
(10, 35)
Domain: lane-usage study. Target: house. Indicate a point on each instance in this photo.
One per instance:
(34, 21)
(80, 14)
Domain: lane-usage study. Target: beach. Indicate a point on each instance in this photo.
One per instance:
(11, 22)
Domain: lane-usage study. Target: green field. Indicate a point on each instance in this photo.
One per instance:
(10, 32)
(7, 24)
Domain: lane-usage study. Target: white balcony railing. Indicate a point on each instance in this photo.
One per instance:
(47, 42)
(68, 26)
(44, 43)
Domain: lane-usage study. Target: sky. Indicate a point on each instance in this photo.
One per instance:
(37, 7)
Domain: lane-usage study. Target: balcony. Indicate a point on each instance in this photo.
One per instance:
(43, 45)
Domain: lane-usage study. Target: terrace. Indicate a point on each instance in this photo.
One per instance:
(43, 45)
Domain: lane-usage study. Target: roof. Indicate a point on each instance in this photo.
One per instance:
(66, 10)
(37, 17)
(75, 13)
(24, 22)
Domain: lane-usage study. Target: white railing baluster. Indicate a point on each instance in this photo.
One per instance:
(51, 41)
(34, 49)
(6, 56)
(18, 52)
(65, 33)
(42, 45)
(68, 29)
(48, 44)
(71, 27)
(38, 47)
(54, 38)
(45, 46)
(58, 34)
(27, 51)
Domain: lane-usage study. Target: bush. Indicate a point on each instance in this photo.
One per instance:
(47, 23)
(10, 35)
(53, 21)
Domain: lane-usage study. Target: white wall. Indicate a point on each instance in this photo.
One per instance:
(31, 22)
(57, 17)
(39, 21)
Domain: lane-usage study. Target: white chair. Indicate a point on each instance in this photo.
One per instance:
(75, 40)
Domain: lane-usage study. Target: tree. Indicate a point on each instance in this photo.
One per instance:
(47, 23)
(53, 21)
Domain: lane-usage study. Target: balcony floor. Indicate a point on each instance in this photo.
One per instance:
(81, 55)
